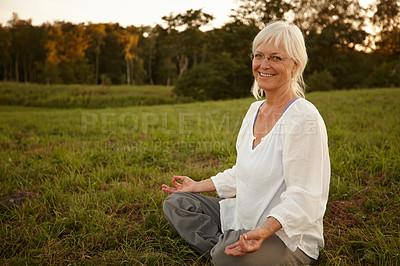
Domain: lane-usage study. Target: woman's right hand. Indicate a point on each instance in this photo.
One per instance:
(180, 184)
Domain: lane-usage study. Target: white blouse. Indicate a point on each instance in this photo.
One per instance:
(285, 176)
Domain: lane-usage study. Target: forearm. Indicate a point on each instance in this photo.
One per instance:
(206, 185)
(270, 227)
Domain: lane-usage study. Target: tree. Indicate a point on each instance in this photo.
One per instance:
(165, 69)
(209, 80)
(234, 39)
(383, 76)
(260, 12)
(321, 81)
(112, 61)
(191, 20)
(147, 45)
(26, 50)
(129, 38)
(19, 31)
(186, 43)
(97, 33)
(387, 20)
(66, 53)
(180, 52)
(5, 47)
(222, 77)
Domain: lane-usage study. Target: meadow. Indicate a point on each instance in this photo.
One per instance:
(85, 96)
(92, 177)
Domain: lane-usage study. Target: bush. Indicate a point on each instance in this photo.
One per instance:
(386, 75)
(201, 82)
(320, 81)
(221, 78)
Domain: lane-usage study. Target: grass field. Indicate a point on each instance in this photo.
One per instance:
(86, 96)
(93, 176)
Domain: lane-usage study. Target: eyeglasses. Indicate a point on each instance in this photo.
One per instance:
(261, 58)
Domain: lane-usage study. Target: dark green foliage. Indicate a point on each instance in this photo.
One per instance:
(112, 59)
(76, 73)
(385, 75)
(220, 78)
(349, 67)
(320, 81)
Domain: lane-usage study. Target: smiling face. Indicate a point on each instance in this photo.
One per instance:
(272, 68)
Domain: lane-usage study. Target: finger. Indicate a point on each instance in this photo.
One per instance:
(242, 242)
(179, 178)
(168, 189)
(250, 247)
(234, 249)
(251, 235)
(234, 252)
(176, 184)
(247, 246)
(232, 246)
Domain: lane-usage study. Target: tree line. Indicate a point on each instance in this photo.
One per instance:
(349, 47)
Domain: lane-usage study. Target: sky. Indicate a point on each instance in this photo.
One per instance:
(125, 12)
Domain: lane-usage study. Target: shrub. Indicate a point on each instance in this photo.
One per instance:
(221, 78)
(386, 75)
(320, 81)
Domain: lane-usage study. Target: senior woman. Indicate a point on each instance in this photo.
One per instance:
(272, 201)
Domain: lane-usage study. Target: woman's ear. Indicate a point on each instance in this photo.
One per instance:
(295, 66)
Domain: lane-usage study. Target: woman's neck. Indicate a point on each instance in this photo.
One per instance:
(277, 99)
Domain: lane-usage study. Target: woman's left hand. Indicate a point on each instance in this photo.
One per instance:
(248, 242)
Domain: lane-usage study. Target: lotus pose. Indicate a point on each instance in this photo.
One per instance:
(272, 201)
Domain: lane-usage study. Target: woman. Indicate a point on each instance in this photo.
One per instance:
(271, 203)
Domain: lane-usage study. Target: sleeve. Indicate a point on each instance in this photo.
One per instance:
(225, 183)
(306, 173)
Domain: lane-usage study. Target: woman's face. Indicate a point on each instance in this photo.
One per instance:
(272, 68)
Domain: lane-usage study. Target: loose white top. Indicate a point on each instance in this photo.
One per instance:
(285, 176)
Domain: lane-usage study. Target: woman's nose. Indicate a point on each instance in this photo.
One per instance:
(265, 63)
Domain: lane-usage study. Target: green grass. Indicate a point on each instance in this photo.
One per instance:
(86, 96)
(95, 175)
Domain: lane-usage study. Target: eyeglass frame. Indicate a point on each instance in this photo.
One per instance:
(270, 58)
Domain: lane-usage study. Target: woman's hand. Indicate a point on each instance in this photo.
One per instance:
(185, 184)
(252, 240)
(248, 243)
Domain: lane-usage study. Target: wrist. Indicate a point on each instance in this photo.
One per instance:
(204, 186)
(269, 227)
(264, 233)
(196, 187)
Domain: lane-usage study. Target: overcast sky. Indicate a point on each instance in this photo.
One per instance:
(125, 12)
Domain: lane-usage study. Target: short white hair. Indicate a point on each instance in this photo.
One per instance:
(290, 37)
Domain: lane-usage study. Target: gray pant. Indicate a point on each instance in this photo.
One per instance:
(197, 219)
